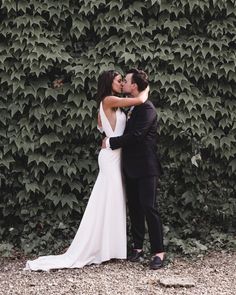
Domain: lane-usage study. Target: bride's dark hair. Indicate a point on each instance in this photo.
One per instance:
(104, 86)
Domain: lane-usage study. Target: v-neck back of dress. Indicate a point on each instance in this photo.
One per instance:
(120, 123)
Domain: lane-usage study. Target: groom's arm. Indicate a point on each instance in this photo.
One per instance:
(143, 121)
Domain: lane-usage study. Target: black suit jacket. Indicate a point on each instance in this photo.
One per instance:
(138, 143)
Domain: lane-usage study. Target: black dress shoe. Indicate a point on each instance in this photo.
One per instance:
(136, 256)
(156, 262)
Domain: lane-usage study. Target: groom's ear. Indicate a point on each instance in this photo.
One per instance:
(135, 86)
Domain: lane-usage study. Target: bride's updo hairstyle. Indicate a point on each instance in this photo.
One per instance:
(104, 87)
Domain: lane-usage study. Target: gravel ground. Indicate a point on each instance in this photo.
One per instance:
(213, 274)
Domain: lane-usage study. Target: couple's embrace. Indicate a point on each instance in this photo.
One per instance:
(128, 169)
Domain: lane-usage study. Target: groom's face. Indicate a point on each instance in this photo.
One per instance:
(127, 84)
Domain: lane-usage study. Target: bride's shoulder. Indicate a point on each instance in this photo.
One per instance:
(109, 98)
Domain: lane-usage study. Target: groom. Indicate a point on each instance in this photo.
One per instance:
(141, 168)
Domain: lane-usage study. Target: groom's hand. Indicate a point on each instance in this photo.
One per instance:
(104, 143)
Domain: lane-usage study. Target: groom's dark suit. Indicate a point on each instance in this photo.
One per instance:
(141, 167)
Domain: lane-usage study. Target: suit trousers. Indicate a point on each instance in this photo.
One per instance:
(141, 196)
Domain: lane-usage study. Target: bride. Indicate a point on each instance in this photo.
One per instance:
(101, 235)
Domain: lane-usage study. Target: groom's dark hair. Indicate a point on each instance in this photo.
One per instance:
(140, 78)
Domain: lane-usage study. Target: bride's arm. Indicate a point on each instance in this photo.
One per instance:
(115, 101)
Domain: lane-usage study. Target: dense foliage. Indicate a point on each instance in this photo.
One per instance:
(48, 137)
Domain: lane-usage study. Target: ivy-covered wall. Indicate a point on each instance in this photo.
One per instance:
(48, 136)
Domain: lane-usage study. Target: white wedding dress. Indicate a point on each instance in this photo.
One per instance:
(101, 235)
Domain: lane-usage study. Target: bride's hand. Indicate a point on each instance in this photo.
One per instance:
(144, 94)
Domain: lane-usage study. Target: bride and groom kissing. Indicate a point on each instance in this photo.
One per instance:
(128, 170)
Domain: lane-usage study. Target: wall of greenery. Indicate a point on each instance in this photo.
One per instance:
(48, 137)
